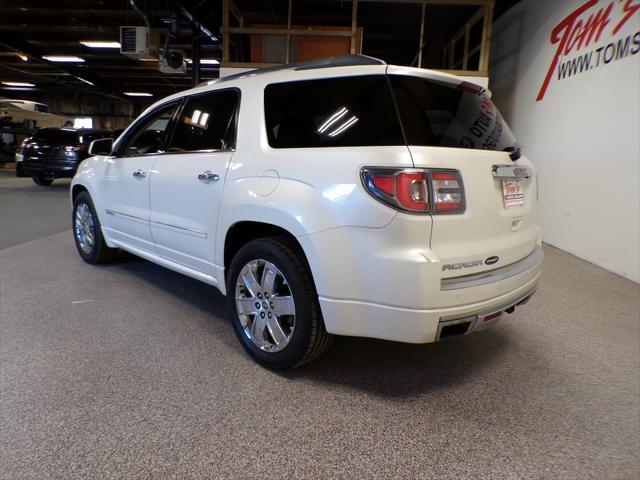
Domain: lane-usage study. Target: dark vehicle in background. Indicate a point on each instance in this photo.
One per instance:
(117, 132)
(55, 153)
(7, 145)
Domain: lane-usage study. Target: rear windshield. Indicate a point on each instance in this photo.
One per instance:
(359, 111)
(441, 115)
(86, 138)
(58, 137)
(334, 112)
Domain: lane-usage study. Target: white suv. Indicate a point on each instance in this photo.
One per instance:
(344, 197)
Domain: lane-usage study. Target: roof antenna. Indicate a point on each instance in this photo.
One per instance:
(415, 59)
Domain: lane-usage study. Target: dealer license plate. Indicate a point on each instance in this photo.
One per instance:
(512, 193)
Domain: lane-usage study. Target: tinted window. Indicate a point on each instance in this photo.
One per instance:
(438, 114)
(334, 112)
(151, 135)
(207, 122)
(56, 137)
(7, 138)
(88, 137)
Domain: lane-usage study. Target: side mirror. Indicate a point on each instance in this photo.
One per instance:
(102, 146)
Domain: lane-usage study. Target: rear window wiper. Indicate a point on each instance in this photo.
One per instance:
(515, 151)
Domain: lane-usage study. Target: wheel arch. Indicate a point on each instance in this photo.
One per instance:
(244, 231)
(76, 190)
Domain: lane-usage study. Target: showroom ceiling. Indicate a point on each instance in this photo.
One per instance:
(33, 29)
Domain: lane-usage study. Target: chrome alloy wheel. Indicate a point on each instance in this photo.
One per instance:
(265, 306)
(83, 228)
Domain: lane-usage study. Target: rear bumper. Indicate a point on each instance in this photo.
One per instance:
(386, 283)
(493, 276)
(469, 323)
(50, 171)
(365, 319)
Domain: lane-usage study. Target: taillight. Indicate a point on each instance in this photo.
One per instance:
(448, 194)
(401, 189)
(412, 192)
(416, 190)
(386, 185)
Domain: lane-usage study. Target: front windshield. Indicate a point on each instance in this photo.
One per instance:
(440, 114)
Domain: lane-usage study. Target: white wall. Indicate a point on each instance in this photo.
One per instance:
(584, 133)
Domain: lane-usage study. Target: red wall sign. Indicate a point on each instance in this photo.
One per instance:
(584, 27)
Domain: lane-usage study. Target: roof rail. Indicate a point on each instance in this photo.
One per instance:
(340, 61)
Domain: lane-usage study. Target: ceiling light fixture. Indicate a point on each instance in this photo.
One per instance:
(63, 58)
(86, 81)
(138, 94)
(100, 44)
(19, 89)
(18, 84)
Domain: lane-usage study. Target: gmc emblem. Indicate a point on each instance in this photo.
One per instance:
(491, 260)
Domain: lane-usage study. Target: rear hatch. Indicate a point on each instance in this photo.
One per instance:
(455, 126)
(52, 147)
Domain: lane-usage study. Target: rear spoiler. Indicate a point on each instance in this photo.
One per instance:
(474, 88)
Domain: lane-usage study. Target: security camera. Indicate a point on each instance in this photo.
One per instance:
(174, 59)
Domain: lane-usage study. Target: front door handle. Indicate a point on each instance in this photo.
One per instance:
(208, 176)
(139, 173)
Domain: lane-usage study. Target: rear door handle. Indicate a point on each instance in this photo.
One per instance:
(208, 176)
(139, 173)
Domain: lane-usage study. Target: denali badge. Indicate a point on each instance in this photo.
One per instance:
(457, 266)
(491, 260)
(471, 263)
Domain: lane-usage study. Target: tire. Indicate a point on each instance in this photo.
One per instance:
(307, 336)
(43, 182)
(88, 234)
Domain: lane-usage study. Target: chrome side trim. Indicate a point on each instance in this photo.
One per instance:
(496, 275)
(205, 151)
(182, 229)
(119, 214)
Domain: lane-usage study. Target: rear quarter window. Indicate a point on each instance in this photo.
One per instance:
(333, 112)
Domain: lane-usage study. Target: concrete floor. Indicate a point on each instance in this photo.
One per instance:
(132, 371)
(28, 211)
